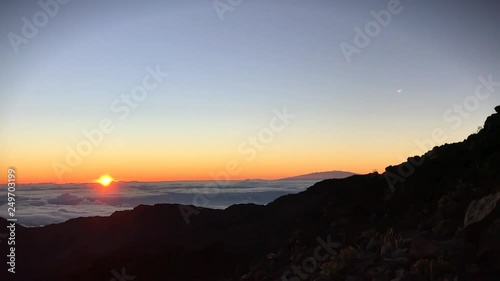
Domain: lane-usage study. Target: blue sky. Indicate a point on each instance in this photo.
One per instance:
(227, 76)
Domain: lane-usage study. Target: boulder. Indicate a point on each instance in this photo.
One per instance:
(480, 215)
(478, 210)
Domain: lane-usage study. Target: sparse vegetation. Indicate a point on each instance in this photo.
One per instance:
(391, 241)
(337, 264)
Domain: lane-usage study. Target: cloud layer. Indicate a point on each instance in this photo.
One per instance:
(42, 204)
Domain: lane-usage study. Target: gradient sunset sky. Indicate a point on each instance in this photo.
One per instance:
(226, 78)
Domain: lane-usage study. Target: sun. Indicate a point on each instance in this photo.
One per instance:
(105, 180)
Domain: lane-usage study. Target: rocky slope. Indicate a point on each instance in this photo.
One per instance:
(434, 217)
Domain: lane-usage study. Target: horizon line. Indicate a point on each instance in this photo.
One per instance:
(186, 180)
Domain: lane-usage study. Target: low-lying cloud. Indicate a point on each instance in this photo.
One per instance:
(42, 204)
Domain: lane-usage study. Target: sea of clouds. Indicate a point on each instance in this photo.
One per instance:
(42, 204)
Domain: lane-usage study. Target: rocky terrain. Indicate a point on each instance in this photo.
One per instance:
(434, 217)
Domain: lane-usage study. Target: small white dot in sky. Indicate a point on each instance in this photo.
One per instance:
(399, 91)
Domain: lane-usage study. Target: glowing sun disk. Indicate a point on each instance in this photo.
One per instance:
(105, 180)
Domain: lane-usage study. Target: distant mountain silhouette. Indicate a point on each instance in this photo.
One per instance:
(322, 176)
(433, 217)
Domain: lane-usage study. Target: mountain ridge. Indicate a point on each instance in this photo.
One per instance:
(322, 175)
(383, 233)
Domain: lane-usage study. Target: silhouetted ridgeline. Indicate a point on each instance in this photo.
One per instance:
(322, 176)
(441, 222)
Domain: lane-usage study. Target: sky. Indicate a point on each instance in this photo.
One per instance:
(190, 90)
